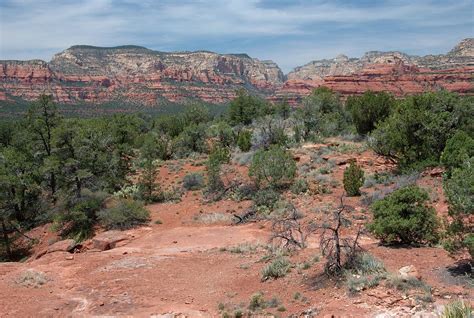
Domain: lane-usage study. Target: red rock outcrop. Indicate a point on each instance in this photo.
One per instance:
(95, 75)
(394, 72)
(399, 79)
(85, 74)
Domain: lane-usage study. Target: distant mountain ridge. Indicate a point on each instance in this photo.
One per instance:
(95, 75)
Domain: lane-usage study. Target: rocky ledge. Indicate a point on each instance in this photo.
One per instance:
(132, 73)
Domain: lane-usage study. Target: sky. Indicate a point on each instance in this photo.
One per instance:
(289, 32)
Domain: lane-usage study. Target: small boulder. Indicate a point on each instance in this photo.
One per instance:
(109, 240)
(410, 271)
(60, 246)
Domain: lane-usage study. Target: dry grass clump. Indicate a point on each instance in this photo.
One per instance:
(32, 278)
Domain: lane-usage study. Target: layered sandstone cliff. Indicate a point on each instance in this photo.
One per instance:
(132, 73)
(92, 74)
(394, 72)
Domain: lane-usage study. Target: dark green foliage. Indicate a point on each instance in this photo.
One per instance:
(78, 215)
(273, 168)
(322, 114)
(459, 148)
(282, 109)
(404, 216)
(269, 131)
(191, 140)
(415, 134)
(217, 157)
(459, 191)
(353, 179)
(245, 108)
(124, 214)
(244, 140)
(299, 186)
(469, 243)
(149, 190)
(223, 133)
(193, 181)
(369, 109)
(266, 198)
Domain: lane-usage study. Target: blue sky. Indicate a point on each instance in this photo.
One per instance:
(289, 32)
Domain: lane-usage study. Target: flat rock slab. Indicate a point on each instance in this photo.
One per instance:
(60, 246)
(109, 240)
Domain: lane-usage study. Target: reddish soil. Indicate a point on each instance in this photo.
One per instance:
(184, 266)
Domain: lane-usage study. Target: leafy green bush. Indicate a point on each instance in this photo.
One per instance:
(80, 214)
(459, 191)
(217, 157)
(405, 217)
(191, 140)
(123, 214)
(299, 186)
(459, 148)
(269, 131)
(322, 113)
(245, 108)
(415, 134)
(224, 134)
(244, 140)
(369, 109)
(353, 179)
(273, 168)
(279, 267)
(193, 181)
(266, 198)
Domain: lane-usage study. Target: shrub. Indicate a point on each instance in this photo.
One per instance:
(279, 267)
(217, 156)
(257, 302)
(266, 198)
(405, 217)
(245, 108)
(273, 168)
(457, 309)
(369, 109)
(244, 141)
(459, 149)
(32, 278)
(299, 186)
(224, 134)
(80, 214)
(415, 134)
(353, 179)
(322, 113)
(459, 191)
(123, 214)
(193, 181)
(191, 140)
(269, 131)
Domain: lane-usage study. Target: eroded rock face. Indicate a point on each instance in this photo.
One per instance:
(91, 74)
(131, 73)
(394, 72)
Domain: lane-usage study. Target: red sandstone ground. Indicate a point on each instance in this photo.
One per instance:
(184, 266)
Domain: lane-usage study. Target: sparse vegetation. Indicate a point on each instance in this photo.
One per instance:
(277, 268)
(193, 181)
(457, 309)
